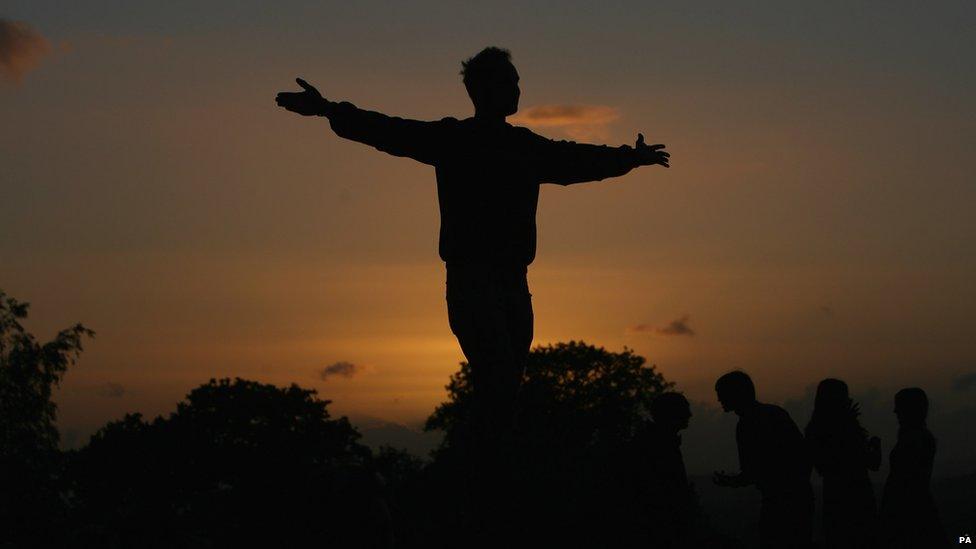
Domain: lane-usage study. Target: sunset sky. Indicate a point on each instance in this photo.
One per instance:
(817, 220)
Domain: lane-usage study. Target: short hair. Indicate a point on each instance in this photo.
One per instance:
(913, 403)
(481, 66)
(668, 404)
(738, 383)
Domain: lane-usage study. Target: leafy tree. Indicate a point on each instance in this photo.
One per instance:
(579, 407)
(577, 395)
(29, 456)
(28, 373)
(238, 462)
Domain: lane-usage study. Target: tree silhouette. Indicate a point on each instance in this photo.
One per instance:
(579, 408)
(241, 462)
(238, 462)
(29, 456)
(583, 396)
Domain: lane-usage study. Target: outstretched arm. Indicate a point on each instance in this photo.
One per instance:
(567, 162)
(422, 141)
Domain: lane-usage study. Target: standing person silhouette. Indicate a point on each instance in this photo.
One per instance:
(842, 453)
(488, 175)
(773, 458)
(667, 496)
(908, 512)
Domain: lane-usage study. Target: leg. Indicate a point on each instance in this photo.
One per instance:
(491, 315)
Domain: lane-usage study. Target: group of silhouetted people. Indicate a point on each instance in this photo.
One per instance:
(777, 458)
(488, 177)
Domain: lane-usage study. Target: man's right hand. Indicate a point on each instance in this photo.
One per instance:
(306, 103)
(648, 155)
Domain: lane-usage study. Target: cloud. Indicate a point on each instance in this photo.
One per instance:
(964, 382)
(111, 390)
(21, 49)
(676, 327)
(341, 368)
(546, 116)
(577, 121)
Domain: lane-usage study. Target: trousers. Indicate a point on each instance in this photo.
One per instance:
(490, 312)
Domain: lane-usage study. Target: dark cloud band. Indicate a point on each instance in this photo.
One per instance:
(341, 368)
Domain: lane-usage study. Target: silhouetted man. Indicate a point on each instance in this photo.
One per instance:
(488, 176)
(667, 494)
(772, 457)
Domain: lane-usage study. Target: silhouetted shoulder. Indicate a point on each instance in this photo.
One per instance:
(771, 420)
(526, 132)
(773, 408)
(774, 412)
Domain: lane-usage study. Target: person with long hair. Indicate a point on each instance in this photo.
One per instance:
(842, 453)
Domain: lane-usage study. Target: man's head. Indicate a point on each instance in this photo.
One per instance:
(671, 410)
(735, 391)
(492, 82)
(911, 406)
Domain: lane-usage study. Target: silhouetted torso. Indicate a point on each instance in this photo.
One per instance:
(771, 451)
(909, 512)
(911, 465)
(772, 454)
(488, 176)
(488, 197)
(660, 452)
(665, 494)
